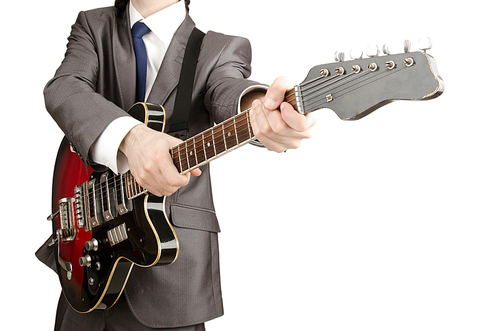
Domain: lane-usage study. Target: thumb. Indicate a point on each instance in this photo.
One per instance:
(196, 172)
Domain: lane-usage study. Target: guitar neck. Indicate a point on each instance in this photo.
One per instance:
(208, 145)
(352, 89)
(212, 143)
(216, 141)
(203, 148)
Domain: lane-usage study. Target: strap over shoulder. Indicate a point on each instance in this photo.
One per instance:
(179, 124)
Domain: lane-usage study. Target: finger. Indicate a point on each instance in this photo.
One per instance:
(171, 178)
(295, 120)
(270, 124)
(196, 172)
(263, 130)
(276, 93)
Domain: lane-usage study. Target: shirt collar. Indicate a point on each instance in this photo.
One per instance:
(163, 23)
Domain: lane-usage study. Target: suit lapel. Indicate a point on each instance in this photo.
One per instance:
(124, 60)
(170, 69)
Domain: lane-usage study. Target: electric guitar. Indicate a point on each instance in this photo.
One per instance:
(104, 224)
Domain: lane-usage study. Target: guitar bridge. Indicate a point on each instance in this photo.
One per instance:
(67, 232)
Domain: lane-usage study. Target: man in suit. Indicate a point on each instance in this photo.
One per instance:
(87, 98)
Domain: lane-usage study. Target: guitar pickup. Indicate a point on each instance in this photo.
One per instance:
(107, 195)
(117, 234)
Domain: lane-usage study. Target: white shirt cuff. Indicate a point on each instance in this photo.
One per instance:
(106, 151)
(248, 90)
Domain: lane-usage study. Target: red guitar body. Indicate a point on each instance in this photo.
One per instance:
(95, 252)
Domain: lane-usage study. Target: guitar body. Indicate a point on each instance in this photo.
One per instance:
(95, 261)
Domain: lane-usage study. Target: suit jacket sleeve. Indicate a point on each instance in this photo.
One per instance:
(228, 78)
(72, 97)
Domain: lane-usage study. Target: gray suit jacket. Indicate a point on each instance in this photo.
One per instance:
(93, 86)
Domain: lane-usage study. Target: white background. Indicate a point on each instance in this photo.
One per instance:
(387, 223)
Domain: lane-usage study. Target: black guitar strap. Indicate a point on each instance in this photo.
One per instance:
(179, 124)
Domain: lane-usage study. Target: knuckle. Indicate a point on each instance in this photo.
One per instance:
(266, 129)
(294, 144)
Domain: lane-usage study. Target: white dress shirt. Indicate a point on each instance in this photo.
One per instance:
(163, 26)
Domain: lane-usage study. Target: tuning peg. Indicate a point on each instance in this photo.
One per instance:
(356, 53)
(339, 56)
(385, 49)
(372, 51)
(425, 44)
(407, 46)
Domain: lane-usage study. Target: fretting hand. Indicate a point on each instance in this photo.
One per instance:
(275, 123)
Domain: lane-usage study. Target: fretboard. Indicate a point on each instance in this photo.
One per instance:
(203, 148)
(207, 146)
(212, 143)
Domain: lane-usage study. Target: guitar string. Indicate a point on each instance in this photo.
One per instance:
(307, 95)
(242, 121)
(319, 90)
(357, 82)
(190, 146)
(217, 141)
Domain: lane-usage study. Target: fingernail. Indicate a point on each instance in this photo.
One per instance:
(269, 103)
(255, 104)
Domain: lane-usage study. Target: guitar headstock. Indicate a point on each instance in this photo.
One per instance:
(355, 88)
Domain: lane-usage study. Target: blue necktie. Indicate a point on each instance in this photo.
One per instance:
(141, 57)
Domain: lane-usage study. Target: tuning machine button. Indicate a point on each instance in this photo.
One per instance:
(385, 49)
(407, 46)
(339, 56)
(356, 53)
(372, 51)
(425, 44)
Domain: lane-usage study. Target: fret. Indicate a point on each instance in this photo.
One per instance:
(187, 155)
(199, 147)
(241, 129)
(179, 156)
(132, 190)
(130, 194)
(224, 137)
(210, 144)
(128, 186)
(183, 157)
(194, 152)
(191, 154)
(204, 149)
(250, 134)
(137, 188)
(132, 185)
(235, 131)
(230, 135)
(219, 144)
(127, 192)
